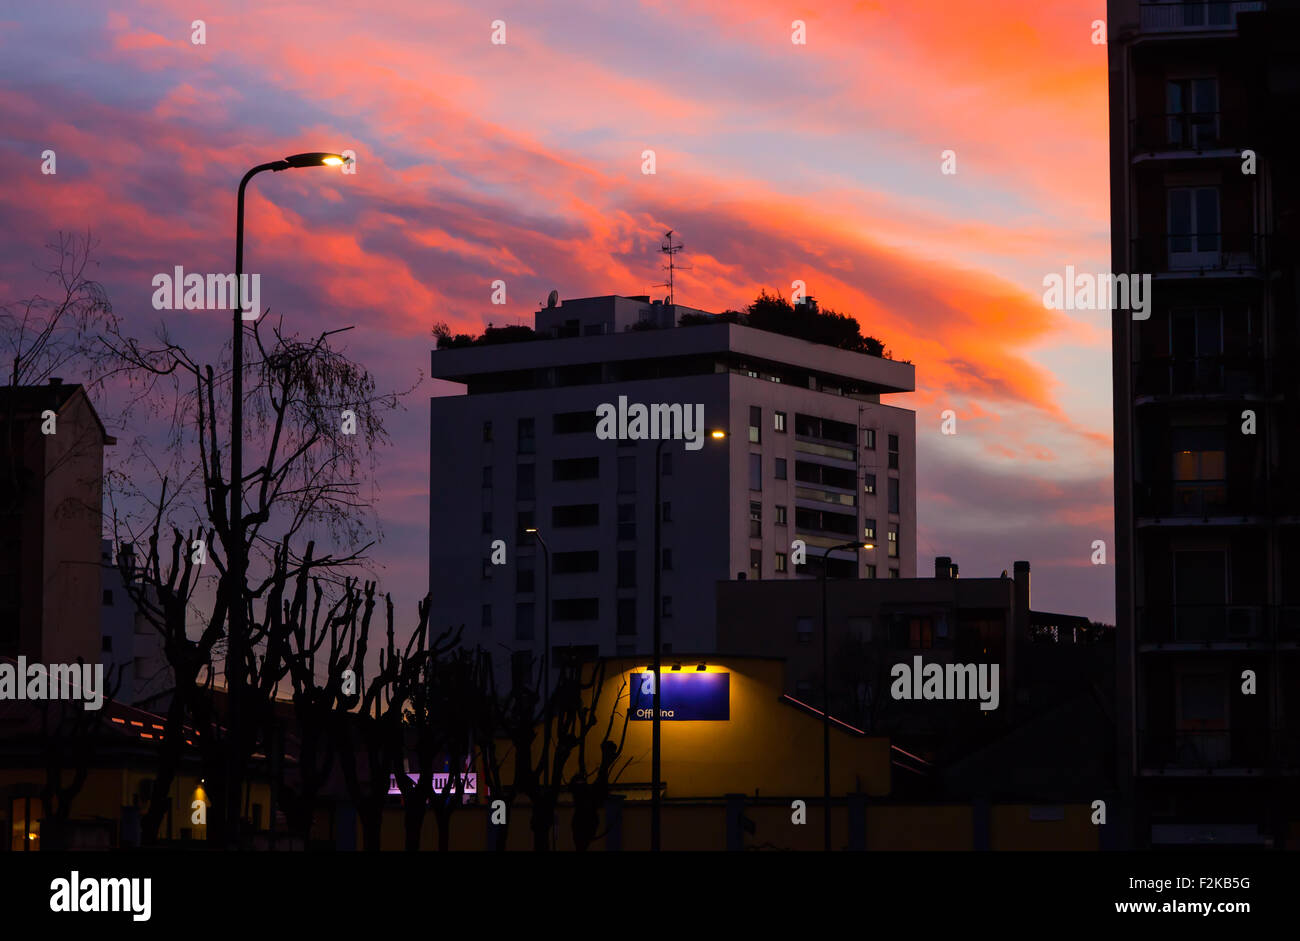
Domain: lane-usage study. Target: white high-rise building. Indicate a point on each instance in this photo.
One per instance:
(810, 454)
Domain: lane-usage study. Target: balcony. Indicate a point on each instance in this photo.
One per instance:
(1206, 624)
(1230, 376)
(1198, 16)
(1188, 132)
(1208, 751)
(1199, 253)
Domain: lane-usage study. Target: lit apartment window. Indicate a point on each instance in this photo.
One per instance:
(756, 563)
(869, 530)
(755, 424)
(893, 452)
(780, 468)
(893, 541)
(869, 483)
(525, 481)
(487, 431)
(755, 520)
(524, 620)
(527, 442)
(920, 632)
(780, 516)
(778, 421)
(893, 495)
(869, 439)
(780, 562)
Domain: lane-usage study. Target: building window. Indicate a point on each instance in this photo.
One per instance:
(487, 478)
(576, 514)
(1192, 106)
(485, 618)
(780, 562)
(780, 516)
(893, 541)
(756, 472)
(527, 442)
(860, 628)
(487, 522)
(756, 563)
(755, 424)
(487, 568)
(893, 573)
(755, 520)
(25, 815)
(667, 560)
(869, 439)
(893, 452)
(525, 581)
(868, 571)
(803, 630)
(523, 522)
(893, 495)
(667, 611)
(920, 632)
(626, 616)
(1193, 214)
(576, 609)
(524, 620)
(869, 483)
(626, 521)
(575, 468)
(569, 563)
(627, 568)
(569, 423)
(668, 511)
(780, 468)
(869, 530)
(627, 475)
(487, 431)
(778, 421)
(525, 481)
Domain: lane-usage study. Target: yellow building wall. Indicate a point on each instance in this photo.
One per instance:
(1013, 830)
(927, 827)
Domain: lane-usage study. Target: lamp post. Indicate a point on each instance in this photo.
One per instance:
(237, 558)
(655, 732)
(826, 693)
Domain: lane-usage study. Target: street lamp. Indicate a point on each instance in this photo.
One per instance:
(238, 559)
(716, 434)
(826, 692)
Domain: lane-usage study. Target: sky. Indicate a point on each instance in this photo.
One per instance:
(775, 161)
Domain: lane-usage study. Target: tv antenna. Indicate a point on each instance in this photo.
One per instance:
(670, 248)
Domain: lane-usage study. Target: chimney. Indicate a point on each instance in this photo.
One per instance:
(954, 570)
(942, 566)
(1021, 609)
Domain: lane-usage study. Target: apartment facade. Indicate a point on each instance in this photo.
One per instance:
(1207, 401)
(810, 452)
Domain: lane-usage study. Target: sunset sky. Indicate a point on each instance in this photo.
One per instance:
(522, 162)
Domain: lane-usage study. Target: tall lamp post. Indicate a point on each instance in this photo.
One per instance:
(826, 692)
(238, 559)
(655, 733)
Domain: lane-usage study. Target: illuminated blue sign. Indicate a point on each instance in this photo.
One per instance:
(686, 697)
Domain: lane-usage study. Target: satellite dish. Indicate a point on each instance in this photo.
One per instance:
(553, 299)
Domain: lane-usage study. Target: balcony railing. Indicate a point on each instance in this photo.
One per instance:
(1189, 132)
(1203, 499)
(1242, 252)
(1194, 15)
(1203, 375)
(1213, 749)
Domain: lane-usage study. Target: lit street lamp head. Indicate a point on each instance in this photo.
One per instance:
(314, 160)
